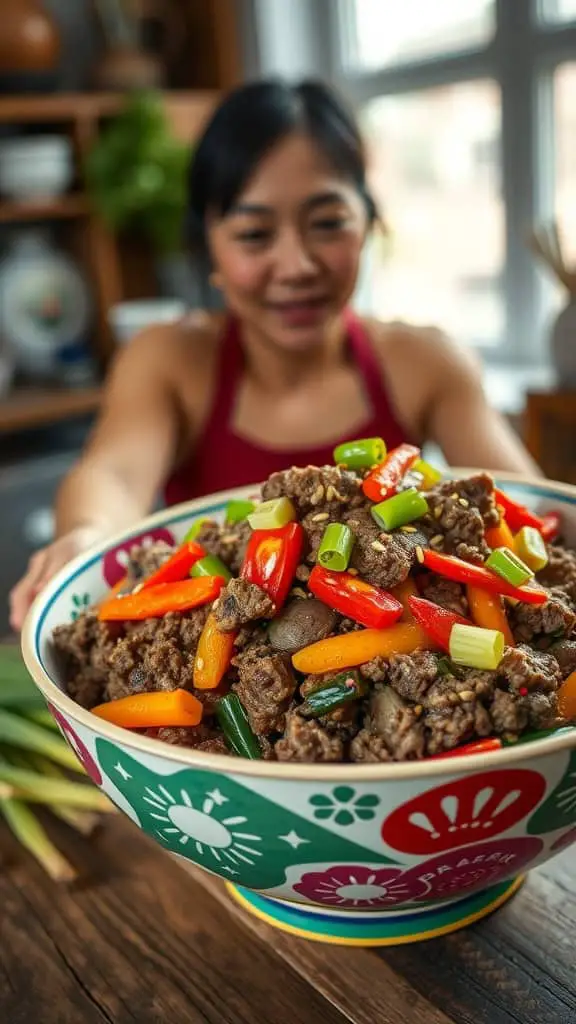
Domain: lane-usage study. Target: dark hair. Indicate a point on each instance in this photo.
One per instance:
(248, 123)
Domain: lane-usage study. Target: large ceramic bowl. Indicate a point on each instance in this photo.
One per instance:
(362, 854)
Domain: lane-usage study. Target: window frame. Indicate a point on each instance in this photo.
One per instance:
(521, 58)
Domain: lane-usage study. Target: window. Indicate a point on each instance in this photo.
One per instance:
(469, 111)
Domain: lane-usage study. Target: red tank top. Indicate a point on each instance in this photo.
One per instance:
(222, 460)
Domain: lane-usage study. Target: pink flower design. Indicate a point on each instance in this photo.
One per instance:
(116, 560)
(459, 872)
(564, 841)
(468, 808)
(79, 748)
(356, 886)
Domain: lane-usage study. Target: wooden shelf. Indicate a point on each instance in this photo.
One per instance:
(60, 208)
(35, 407)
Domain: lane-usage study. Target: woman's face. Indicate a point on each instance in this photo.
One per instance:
(286, 256)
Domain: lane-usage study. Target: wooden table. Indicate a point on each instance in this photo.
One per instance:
(142, 940)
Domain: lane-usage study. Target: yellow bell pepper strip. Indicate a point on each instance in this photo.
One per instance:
(152, 710)
(550, 528)
(361, 454)
(516, 514)
(352, 649)
(487, 610)
(177, 567)
(567, 698)
(466, 572)
(158, 601)
(383, 481)
(271, 559)
(403, 592)
(430, 475)
(435, 620)
(500, 536)
(354, 598)
(213, 655)
(530, 546)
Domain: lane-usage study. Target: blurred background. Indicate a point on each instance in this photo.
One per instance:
(469, 112)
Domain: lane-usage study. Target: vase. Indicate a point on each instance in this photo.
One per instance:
(29, 47)
(563, 345)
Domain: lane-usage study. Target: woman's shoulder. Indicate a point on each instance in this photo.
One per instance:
(401, 344)
(190, 343)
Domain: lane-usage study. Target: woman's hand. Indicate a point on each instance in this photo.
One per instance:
(43, 565)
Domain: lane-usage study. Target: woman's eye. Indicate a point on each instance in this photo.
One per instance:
(255, 235)
(330, 224)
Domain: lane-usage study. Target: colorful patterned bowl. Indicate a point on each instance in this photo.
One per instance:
(352, 854)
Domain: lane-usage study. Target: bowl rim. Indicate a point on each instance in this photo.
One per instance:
(187, 757)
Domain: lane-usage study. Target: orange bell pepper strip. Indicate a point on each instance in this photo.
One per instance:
(500, 536)
(116, 589)
(487, 611)
(351, 649)
(177, 566)
(567, 698)
(152, 710)
(161, 599)
(403, 592)
(213, 655)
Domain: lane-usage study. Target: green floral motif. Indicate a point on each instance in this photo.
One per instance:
(223, 826)
(80, 603)
(559, 810)
(343, 806)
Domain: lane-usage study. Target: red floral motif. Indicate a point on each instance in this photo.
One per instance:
(355, 886)
(563, 842)
(469, 808)
(116, 560)
(462, 871)
(79, 748)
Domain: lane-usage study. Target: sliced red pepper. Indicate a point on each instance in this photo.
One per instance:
(177, 567)
(271, 559)
(475, 747)
(551, 524)
(157, 601)
(383, 481)
(351, 596)
(516, 515)
(435, 620)
(465, 572)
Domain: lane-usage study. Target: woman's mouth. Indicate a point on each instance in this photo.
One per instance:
(300, 312)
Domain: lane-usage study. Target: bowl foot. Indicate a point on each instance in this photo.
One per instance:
(391, 928)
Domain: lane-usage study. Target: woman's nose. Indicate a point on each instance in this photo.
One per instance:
(293, 258)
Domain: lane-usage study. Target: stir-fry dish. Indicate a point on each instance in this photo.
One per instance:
(364, 611)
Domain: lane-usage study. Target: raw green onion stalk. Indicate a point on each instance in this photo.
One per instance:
(35, 768)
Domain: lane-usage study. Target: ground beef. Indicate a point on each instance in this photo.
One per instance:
(397, 722)
(313, 487)
(446, 593)
(266, 686)
(84, 647)
(307, 740)
(560, 571)
(458, 526)
(411, 675)
(543, 711)
(556, 617)
(454, 714)
(370, 747)
(565, 653)
(525, 669)
(147, 558)
(376, 671)
(226, 542)
(509, 713)
(200, 737)
(239, 603)
(380, 558)
(346, 625)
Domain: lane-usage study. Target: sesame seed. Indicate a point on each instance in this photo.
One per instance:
(230, 538)
(317, 496)
(330, 493)
(437, 512)
(298, 592)
(352, 572)
(320, 517)
(378, 545)
(437, 541)
(455, 496)
(466, 695)
(418, 709)
(420, 554)
(464, 502)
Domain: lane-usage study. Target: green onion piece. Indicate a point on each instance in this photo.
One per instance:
(476, 647)
(399, 510)
(507, 565)
(363, 454)
(25, 734)
(41, 716)
(236, 727)
(16, 685)
(211, 565)
(336, 547)
(446, 668)
(237, 511)
(85, 822)
(194, 530)
(271, 515)
(342, 689)
(530, 547)
(542, 734)
(430, 475)
(29, 832)
(36, 788)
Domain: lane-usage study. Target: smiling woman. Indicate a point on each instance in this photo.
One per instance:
(280, 204)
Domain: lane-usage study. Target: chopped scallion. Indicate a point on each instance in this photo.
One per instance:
(237, 510)
(336, 547)
(194, 530)
(399, 510)
(530, 547)
(271, 515)
(343, 688)
(210, 565)
(237, 730)
(430, 475)
(509, 567)
(476, 647)
(361, 454)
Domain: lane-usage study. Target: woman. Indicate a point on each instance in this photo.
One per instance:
(278, 196)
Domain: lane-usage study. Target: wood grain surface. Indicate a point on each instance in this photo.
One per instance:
(142, 939)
